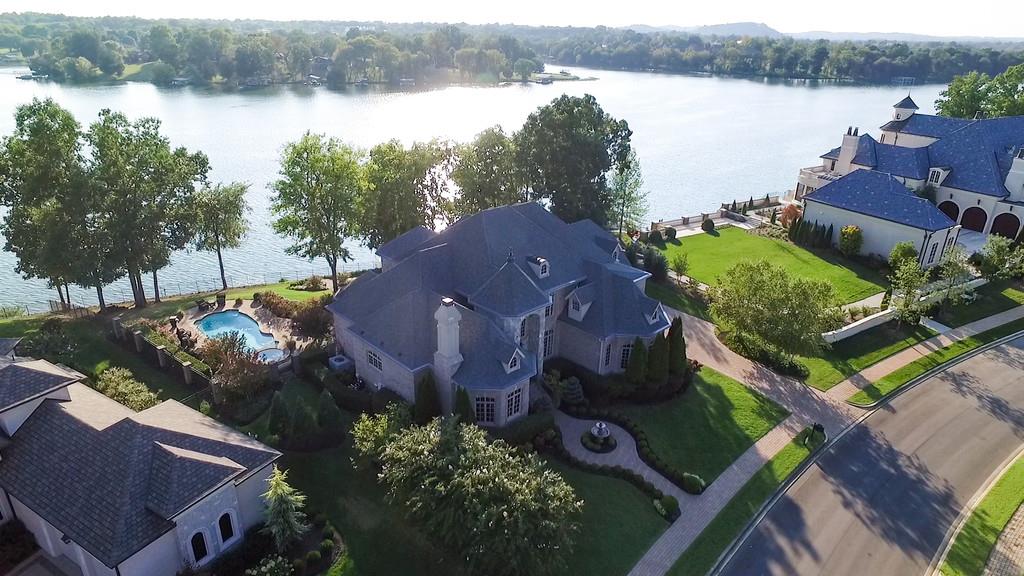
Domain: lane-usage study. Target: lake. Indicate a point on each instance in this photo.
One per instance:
(700, 140)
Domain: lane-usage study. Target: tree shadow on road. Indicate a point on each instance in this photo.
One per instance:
(969, 385)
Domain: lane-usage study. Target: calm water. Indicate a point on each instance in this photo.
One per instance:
(701, 141)
(223, 323)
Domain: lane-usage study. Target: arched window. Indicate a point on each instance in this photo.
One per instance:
(227, 528)
(199, 549)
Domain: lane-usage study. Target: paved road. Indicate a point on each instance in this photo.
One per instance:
(880, 501)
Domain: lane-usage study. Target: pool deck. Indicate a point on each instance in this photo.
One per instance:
(279, 328)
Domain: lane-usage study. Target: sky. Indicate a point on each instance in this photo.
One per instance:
(934, 17)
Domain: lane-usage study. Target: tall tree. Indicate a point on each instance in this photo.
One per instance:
(286, 521)
(566, 149)
(147, 191)
(221, 222)
(315, 198)
(907, 280)
(629, 202)
(677, 364)
(486, 173)
(965, 96)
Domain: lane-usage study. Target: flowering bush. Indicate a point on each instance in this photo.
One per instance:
(271, 566)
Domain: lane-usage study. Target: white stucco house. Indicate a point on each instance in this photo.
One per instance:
(116, 492)
(483, 303)
(974, 170)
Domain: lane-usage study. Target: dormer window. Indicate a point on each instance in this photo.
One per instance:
(513, 364)
(541, 267)
(933, 177)
(575, 305)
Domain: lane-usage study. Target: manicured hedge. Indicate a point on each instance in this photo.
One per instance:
(525, 429)
(172, 348)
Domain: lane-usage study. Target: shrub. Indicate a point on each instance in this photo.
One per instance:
(670, 233)
(238, 302)
(315, 284)
(379, 400)
(238, 371)
(656, 263)
(636, 368)
(708, 225)
(428, 404)
(313, 558)
(278, 305)
(463, 407)
(205, 408)
(692, 483)
(257, 297)
(328, 417)
(658, 363)
(851, 238)
(671, 507)
(329, 531)
(312, 319)
(526, 428)
(345, 395)
(304, 430)
(50, 343)
(750, 348)
(278, 420)
(271, 566)
(326, 547)
(598, 445)
(655, 237)
(790, 214)
(120, 385)
(299, 565)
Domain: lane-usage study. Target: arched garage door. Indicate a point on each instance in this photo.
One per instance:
(1006, 224)
(949, 208)
(974, 219)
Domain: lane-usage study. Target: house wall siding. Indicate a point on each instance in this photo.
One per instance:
(50, 539)
(580, 347)
(392, 375)
(879, 235)
(203, 517)
(251, 505)
(161, 558)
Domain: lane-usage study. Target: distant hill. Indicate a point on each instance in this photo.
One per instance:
(894, 36)
(731, 29)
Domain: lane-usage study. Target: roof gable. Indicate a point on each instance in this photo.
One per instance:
(23, 381)
(881, 196)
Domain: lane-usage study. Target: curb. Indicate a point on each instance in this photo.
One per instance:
(939, 559)
(910, 384)
(812, 459)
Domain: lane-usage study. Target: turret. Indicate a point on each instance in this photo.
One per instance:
(904, 109)
(1015, 177)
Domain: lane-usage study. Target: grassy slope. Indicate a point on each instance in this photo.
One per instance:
(709, 426)
(670, 295)
(993, 298)
(847, 357)
(710, 256)
(974, 543)
(727, 525)
(619, 523)
(897, 379)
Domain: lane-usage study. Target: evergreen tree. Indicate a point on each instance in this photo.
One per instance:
(775, 214)
(303, 426)
(750, 203)
(278, 420)
(328, 416)
(463, 407)
(677, 364)
(428, 404)
(657, 363)
(285, 520)
(733, 207)
(767, 200)
(636, 368)
(828, 236)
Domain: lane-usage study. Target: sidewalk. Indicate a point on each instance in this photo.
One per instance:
(876, 372)
(1007, 557)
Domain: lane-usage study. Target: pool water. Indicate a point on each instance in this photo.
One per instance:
(222, 323)
(272, 355)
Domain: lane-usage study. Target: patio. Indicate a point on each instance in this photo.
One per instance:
(971, 241)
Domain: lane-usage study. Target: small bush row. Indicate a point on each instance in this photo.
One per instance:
(745, 347)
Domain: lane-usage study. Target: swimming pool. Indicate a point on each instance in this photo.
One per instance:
(222, 323)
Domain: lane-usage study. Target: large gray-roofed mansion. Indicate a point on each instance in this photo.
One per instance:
(483, 303)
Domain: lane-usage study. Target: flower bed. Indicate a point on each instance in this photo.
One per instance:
(598, 445)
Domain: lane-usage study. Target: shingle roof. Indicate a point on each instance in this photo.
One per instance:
(510, 292)
(926, 125)
(406, 243)
(979, 154)
(23, 381)
(97, 471)
(906, 103)
(619, 307)
(891, 159)
(881, 196)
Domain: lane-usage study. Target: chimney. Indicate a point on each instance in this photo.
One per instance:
(1015, 177)
(447, 358)
(848, 151)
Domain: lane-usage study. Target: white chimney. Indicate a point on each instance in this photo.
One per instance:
(1015, 177)
(848, 151)
(447, 358)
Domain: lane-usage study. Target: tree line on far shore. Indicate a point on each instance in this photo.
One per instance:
(90, 206)
(81, 49)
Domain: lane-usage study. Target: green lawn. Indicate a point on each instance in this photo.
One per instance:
(711, 255)
(138, 72)
(977, 538)
(672, 296)
(847, 357)
(727, 525)
(619, 523)
(704, 430)
(297, 393)
(993, 298)
(897, 379)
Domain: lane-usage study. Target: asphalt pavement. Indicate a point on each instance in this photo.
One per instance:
(880, 500)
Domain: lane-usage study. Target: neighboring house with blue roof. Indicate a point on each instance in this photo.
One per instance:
(886, 211)
(974, 169)
(482, 304)
(117, 492)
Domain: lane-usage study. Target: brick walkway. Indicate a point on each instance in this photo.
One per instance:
(876, 372)
(1007, 557)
